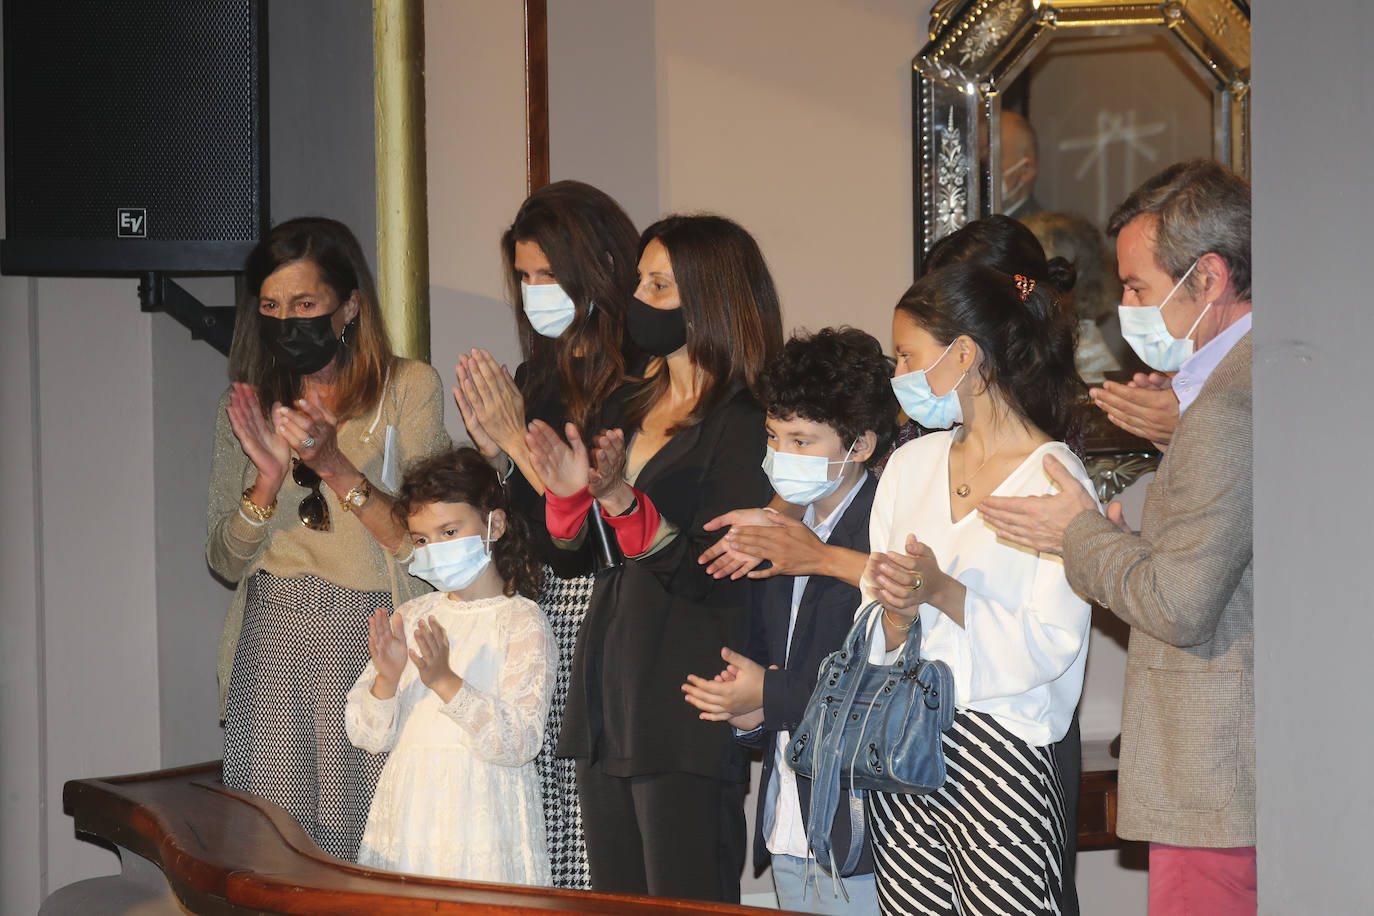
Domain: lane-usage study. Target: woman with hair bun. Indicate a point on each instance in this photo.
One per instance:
(994, 354)
(1004, 244)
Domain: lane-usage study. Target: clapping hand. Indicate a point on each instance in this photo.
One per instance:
(386, 644)
(905, 581)
(492, 407)
(734, 692)
(724, 558)
(607, 477)
(265, 447)
(311, 430)
(1145, 407)
(788, 545)
(562, 465)
(432, 659)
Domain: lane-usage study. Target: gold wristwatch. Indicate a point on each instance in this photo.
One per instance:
(357, 497)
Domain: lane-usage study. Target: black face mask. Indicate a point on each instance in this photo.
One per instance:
(302, 346)
(657, 332)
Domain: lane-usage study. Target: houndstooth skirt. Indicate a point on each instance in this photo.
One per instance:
(303, 644)
(565, 604)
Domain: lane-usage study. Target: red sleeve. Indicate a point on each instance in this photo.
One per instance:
(636, 529)
(565, 515)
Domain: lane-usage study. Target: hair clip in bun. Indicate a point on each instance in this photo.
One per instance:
(1024, 285)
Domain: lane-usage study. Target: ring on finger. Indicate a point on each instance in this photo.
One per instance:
(308, 442)
(916, 583)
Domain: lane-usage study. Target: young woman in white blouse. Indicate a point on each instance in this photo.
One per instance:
(992, 356)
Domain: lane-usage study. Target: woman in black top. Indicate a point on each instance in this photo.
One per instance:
(570, 267)
(661, 789)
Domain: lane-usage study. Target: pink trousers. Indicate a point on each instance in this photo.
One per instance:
(1195, 881)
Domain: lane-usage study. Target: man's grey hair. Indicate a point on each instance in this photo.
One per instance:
(1200, 207)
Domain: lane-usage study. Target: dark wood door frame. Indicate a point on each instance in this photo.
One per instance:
(536, 94)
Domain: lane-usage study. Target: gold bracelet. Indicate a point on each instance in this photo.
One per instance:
(357, 497)
(261, 513)
(897, 626)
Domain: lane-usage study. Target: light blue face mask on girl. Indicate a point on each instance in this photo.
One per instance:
(451, 566)
(548, 308)
(802, 479)
(1144, 329)
(920, 403)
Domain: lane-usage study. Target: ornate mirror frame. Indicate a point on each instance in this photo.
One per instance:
(976, 49)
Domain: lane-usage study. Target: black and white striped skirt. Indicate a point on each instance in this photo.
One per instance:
(989, 841)
(565, 603)
(303, 644)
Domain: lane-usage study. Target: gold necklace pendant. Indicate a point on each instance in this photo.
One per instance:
(963, 490)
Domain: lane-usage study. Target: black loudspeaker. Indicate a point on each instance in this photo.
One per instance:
(135, 136)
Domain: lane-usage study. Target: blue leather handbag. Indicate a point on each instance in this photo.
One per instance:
(870, 727)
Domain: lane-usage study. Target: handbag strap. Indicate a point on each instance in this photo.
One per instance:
(825, 784)
(859, 645)
(825, 749)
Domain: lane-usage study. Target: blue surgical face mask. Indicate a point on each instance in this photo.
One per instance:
(922, 405)
(802, 479)
(1144, 329)
(548, 308)
(451, 566)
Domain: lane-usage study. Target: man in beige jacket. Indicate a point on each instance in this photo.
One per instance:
(1184, 583)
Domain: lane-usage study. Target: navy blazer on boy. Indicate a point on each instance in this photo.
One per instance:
(824, 617)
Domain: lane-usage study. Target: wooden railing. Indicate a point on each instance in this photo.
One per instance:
(227, 852)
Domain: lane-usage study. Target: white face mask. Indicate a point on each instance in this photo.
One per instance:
(1143, 327)
(802, 479)
(451, 566)
(548, 308)
(1009, 190)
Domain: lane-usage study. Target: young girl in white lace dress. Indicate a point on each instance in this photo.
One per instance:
(458, 689)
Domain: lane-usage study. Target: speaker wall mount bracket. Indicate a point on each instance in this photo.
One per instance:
(213, 324)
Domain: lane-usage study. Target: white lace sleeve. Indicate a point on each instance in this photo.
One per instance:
(508, 728)
(371, 723)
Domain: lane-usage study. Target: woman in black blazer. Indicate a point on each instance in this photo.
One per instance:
(662, 790)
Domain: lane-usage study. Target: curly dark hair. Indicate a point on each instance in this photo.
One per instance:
(1027, 344)
(838, 377)
(462, 475)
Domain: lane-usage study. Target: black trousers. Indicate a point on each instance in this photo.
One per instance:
(1068, 757)
(667, 834)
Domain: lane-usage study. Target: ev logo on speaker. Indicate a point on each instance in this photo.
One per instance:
(133, 223)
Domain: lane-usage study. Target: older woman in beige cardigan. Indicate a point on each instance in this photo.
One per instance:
(300, 519)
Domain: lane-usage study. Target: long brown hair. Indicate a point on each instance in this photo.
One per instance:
(590, 244)
(730, 305)
(364, 353)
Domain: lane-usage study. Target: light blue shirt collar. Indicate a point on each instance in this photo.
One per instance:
(1193, 374)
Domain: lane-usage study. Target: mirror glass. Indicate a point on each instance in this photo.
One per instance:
(1104, 112)
(1109, 112)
